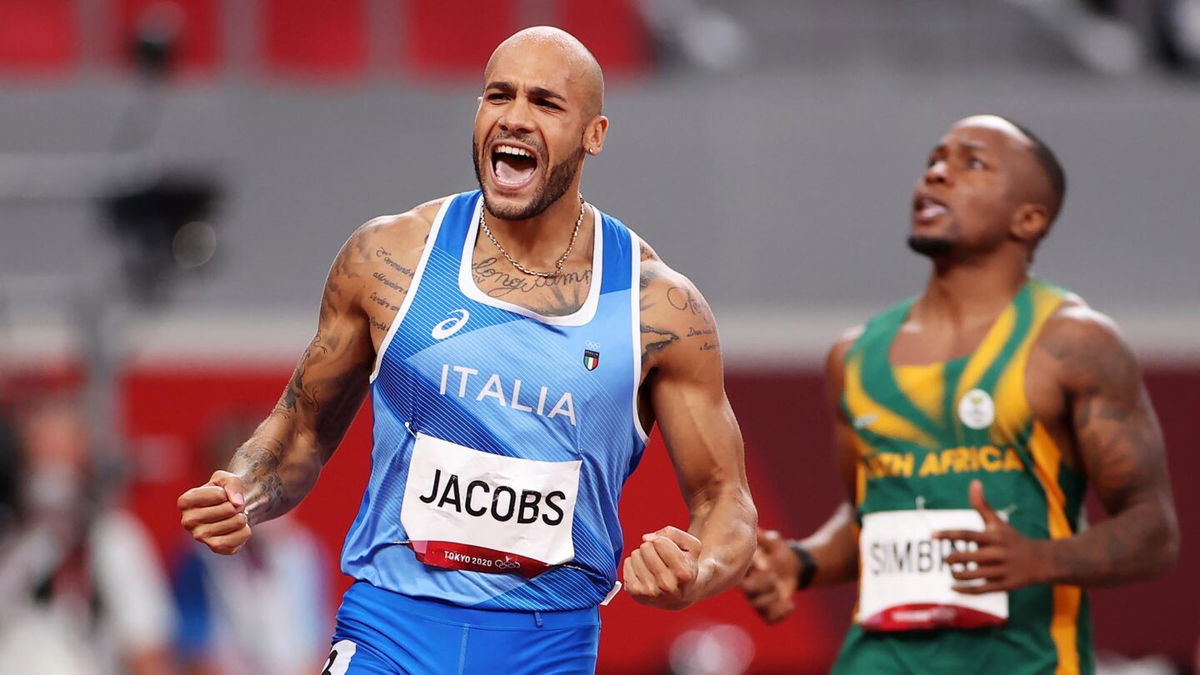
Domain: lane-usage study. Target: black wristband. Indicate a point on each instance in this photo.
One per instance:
(808, 566)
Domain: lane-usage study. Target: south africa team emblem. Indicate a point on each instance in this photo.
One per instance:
(976, 409)
(591, 359)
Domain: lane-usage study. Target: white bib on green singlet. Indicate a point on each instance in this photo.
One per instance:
(906, 584)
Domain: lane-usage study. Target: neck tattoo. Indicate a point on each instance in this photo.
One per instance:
(562, 260)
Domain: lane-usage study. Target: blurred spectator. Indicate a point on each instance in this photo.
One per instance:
(263, 611)
(80, 583)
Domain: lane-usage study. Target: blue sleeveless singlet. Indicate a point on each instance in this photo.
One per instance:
(473, 373)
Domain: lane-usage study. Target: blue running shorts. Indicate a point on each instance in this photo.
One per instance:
(384, 633)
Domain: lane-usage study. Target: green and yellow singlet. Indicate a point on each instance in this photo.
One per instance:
(923, 433)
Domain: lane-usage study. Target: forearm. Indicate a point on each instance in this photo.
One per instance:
(725, 526)
(1137, 543)
(834, 550)
(277, 468)
(280, 463)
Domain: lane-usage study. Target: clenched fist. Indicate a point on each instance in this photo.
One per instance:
(662, 572)
(215, 513)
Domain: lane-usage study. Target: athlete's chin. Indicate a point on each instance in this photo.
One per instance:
(930, 245)
(512, 204)
(509, 207)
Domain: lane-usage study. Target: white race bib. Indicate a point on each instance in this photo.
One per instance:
(906, 582)
(466, 509)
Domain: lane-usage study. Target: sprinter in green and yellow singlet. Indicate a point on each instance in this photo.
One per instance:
(969, 422)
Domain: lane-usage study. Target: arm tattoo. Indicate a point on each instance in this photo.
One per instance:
(383, 279)
(1121, 448)
(296, 391)
(681, 298)
(258, 463)
(654, 338)
(684, 300)
(280, 462)
(386, 256)
(660, 339)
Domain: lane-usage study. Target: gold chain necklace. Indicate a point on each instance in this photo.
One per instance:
(534, 273)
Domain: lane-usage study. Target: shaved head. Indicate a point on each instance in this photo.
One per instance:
(1051, 187)
(583, 71)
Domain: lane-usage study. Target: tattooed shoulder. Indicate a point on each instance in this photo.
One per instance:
(673, 313)
(1090, 355)
(378, 262)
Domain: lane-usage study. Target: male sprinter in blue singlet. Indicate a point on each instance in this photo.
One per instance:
(968, 424)
(518, 345)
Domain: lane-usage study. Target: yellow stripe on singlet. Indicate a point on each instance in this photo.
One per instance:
(1012, 406)
(1065, 621)
(884, 421)
(988, 350)
(861, 450)
(925, 386)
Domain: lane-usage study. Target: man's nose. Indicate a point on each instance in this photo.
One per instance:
(936, 173)
(516, 118)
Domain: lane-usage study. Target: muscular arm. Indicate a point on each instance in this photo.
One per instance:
(684, 388)
(277, 467)
(1121, 448)
(279, 464)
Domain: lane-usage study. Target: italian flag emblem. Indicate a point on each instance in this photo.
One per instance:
(591, 359)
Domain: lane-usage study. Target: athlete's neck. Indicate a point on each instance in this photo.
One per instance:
(968, 291)
(539, 241)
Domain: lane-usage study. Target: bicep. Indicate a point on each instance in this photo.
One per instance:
(1117, 433)
(330, 382)
(700, 431)
(687, 392)
(330, 379)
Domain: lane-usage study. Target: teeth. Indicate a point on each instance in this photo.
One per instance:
(512, 150)
(931, 210)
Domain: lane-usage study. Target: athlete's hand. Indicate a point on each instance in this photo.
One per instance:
(1006, 559)
(215, 513)
(770, 583)
(662, 572)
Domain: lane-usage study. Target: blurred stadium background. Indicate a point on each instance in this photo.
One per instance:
(175, 178)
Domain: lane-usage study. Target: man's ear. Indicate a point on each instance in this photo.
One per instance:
(1030, 222)
(594, 135)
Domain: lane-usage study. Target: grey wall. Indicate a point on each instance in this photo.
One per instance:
(784, 189)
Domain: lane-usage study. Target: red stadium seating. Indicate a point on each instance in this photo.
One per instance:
(199, 41)
(455, 36)
(613, 30)
(38, 36)
(318, 38)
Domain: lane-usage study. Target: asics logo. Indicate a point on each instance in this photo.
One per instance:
(458, 319)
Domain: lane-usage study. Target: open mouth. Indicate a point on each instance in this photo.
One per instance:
(513, 166)
(928, 209)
